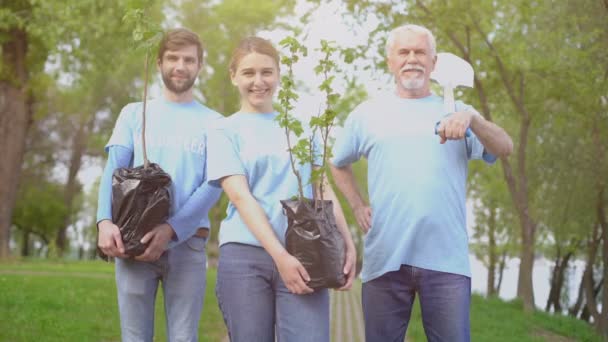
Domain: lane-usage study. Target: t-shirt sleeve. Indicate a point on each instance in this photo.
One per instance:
(118, 157)
(347, 148)
(122, 135)
(475, 149)
(222, 156)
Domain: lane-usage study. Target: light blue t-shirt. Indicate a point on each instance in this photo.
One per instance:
(416, 185)
(176, 140)
(254, 145)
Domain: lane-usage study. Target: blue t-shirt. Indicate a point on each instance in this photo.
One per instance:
(176, 140)
(416, 185)
(254, 145)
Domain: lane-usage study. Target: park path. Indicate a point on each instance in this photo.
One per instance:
(346, 315)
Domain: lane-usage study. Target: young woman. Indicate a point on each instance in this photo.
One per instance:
(261, 288)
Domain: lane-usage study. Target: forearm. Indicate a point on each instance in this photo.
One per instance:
(345, 181)
(329, 194)
(494, 139)
(118, 156)
(187, 220)
(252, 214)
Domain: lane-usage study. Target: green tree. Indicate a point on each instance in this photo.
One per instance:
(39, 210)
(77, 40)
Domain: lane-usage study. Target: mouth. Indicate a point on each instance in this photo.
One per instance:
(412, 69)
(179, 76)
(258, 92)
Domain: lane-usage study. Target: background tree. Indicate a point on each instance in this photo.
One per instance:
(50, 35)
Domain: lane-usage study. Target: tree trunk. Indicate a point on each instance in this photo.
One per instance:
(586, 314)
(15, 118)
(491, 285)
(553, 280)
(588, 283)
(25, 244)
(72, 187)
(576, 308)
(501, 270)
(600, 318)
(557, 283)
(603, 319)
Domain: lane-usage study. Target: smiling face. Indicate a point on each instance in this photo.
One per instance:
(256, 76)
(179, 69)
(411, 60)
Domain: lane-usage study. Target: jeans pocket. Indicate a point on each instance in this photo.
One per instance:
(197, 243)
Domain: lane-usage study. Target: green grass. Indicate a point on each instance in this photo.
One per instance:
(76, 301)
(496, 320)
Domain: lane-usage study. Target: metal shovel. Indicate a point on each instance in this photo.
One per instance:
(450, 72)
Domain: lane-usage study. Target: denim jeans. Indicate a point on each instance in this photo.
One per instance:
(255, 302)
(182, 271)
(444, 301)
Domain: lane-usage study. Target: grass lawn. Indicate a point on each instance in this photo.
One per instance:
(496, 320)
(76, 301)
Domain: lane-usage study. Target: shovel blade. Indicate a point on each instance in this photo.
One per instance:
(452, 71)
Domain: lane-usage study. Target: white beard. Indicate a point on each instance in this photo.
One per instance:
(412, 84)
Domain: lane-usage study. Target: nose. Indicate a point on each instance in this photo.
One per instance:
(180, 64)
(258, 78)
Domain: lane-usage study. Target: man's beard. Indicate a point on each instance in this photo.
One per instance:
(412, 84)
(177, 88)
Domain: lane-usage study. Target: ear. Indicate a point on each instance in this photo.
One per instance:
(232, 78)
(158, 64)
(434, 62)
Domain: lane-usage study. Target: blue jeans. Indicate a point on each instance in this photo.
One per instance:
(444, 301)
(182, 271)
(255, 301)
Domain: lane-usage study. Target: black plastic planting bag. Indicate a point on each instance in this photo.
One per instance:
(140, 201)
(313, 238)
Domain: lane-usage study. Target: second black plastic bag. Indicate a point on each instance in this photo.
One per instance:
(313, 238)
(140, 201)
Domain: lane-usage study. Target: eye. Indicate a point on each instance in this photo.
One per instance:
(267, 72)
(190, 60)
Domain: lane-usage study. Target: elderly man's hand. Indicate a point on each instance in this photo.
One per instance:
(157, 240)
(454, 126)
(363, 215)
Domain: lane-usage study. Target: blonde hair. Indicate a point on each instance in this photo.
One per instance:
(249, 45)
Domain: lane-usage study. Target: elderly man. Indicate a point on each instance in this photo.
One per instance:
(415, 231)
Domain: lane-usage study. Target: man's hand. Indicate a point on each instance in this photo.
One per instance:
(157, 240)
(363, 215)
(292, 272)
(109, 239)
(454, 126)
(350, 267)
